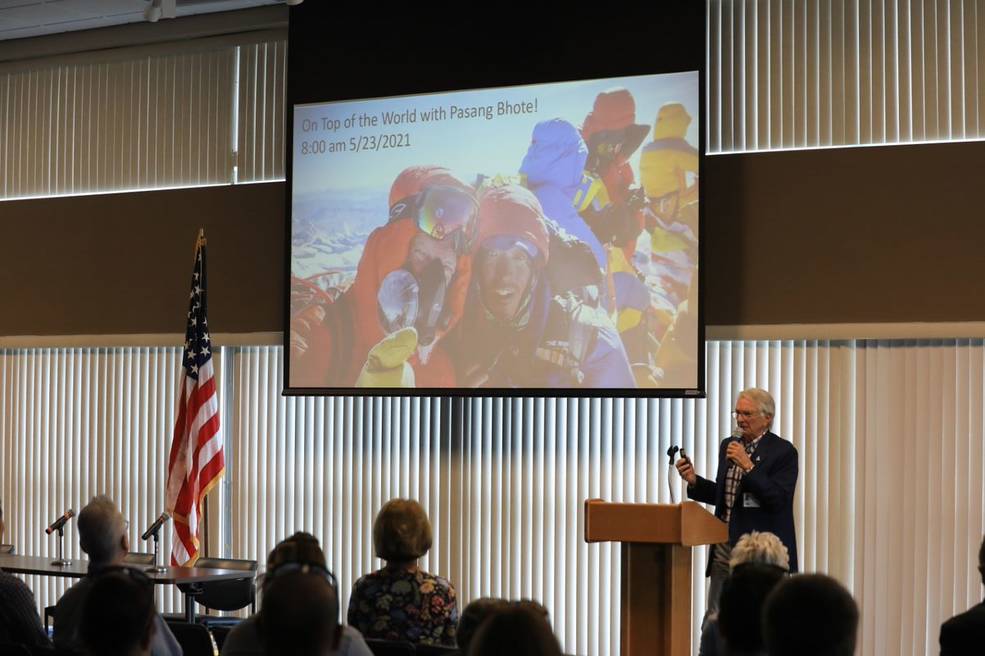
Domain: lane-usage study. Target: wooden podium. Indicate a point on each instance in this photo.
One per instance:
(656, 568)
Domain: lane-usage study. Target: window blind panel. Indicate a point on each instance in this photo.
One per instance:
(151, 121)
(877, 424)
(843, 72)
(262, 101)
(81, 422)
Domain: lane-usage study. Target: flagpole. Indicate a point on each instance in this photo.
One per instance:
(199, 243)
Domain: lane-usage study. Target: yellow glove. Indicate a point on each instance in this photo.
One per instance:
(386, 365)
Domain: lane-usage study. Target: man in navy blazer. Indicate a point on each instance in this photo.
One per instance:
(754, 487)
(965, 633)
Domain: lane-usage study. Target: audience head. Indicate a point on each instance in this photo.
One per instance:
(981, 560)
(103, 532)
(297, 601)
(472, 618)
(535, 607)
(401, 532)
(760, 547)
(301, 548)
(810, 615)
(741, 605)
(515, 630)
(118, 616)
(300, 613)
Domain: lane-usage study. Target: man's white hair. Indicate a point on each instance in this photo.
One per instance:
(760, 547)
(763, 400)
(101, 528)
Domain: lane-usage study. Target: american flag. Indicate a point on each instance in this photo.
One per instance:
(196, 463)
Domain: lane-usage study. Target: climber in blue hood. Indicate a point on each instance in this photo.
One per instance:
(553, 168)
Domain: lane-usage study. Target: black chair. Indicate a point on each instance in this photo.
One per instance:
(53, 651)
(12, 649)
(226, 595)
(6, 548)
(138, 558)
(195, 639)
(436, 650)
(219, 634)
(390, 647)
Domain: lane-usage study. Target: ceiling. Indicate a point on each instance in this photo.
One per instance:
(27, 18)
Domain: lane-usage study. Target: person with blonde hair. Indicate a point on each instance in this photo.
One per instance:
(760, 551)
(760, 547)
(401, 601)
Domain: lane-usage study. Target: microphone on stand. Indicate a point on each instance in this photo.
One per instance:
(156, 526)
(60, 522)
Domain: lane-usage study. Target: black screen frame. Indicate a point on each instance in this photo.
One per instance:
(401, 56)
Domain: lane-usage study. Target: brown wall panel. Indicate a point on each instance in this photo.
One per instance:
(890, 234)
(121, 263)
(875, 234)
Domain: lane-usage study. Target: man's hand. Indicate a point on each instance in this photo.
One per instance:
(737, 453)
(686, 471)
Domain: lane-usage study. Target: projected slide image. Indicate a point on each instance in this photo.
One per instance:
(536, 237)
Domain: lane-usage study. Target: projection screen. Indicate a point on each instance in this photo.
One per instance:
(526, 239)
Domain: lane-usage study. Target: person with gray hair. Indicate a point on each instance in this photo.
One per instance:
(103, 536)
(753, 488)
(760, 549)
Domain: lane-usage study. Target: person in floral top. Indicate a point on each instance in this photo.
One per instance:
(401, 601)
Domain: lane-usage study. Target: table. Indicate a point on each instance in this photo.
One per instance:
(76, 569)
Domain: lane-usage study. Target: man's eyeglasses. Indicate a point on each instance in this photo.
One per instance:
(744, 414)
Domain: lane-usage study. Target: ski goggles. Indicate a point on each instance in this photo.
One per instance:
(440, 212)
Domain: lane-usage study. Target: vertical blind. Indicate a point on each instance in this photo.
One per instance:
(124, 121)
(890, 497)
(261, 125)
(780, 74)
(792, 74)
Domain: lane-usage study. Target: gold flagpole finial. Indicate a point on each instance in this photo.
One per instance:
(200, 241)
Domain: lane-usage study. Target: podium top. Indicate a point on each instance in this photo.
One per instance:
(685, 523)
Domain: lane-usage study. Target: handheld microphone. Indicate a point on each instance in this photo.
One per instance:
(156, 526)
(60, 522)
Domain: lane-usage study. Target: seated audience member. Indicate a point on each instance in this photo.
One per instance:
(19, 620)
(810, 615)
(400, 601)
(743, 595)
(473, 615)
(755, 547)
(516, 630)
(965, 633)
(760, 547)
(102, 535)
(118, 616)
(300, 615)
(534, 607)
(297, 551)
